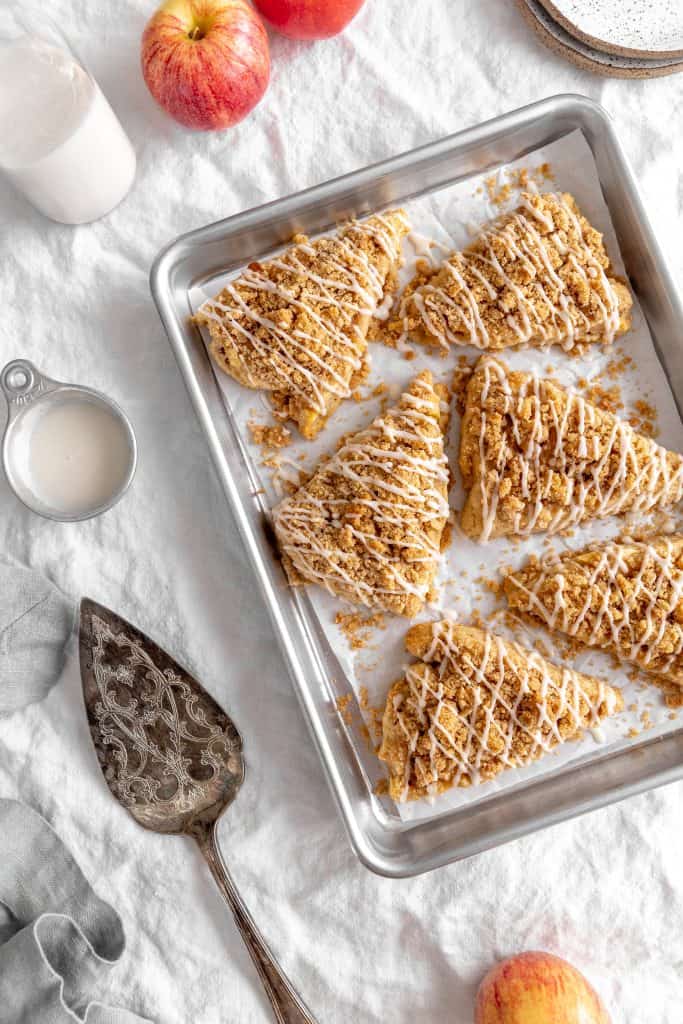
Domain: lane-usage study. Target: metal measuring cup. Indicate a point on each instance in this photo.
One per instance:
(26, 388)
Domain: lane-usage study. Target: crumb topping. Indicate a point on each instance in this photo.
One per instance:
(269, 436)
(297, 325)
(539, 276)
(475, 705)
(625, 598)
(535, 456)
(367, 526)
(499, 192)
(358, 629)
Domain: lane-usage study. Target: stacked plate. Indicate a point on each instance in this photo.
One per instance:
(640, 39)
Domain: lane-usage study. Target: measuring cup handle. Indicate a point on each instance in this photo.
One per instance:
(21, 382)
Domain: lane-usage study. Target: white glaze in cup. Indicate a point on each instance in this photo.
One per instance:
(69, 452)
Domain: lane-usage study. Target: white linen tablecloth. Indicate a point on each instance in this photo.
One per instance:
(605, 891)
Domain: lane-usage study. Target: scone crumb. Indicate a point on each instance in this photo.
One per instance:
(269, 436)
(644, 419)
(607, 398)
(343, 707)
(357, 628)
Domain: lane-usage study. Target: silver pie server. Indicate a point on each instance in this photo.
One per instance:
(173, 758)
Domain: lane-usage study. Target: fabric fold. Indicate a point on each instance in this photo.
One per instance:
(36, 620)
(60, 939)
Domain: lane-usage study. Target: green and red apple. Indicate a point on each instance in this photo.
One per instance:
(537, 988)
(206, 62)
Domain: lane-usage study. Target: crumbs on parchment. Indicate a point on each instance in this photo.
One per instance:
(357, 627)
(603, 390)
(646, 720)
(269, 436)
(504, 184)
(490, 583)
(376, 392)
(606, 398)
(617, 366)
(343, 707)
(644, 419)
(374, 715)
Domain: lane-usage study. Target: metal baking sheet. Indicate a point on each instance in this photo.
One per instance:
(384, 842)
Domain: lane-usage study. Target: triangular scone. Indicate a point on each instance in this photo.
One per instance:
(476, 704)
(626, 598)
(297, 325)
(534, 456)
(538, 276)
(367, 525)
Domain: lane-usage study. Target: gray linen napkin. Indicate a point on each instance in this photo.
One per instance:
(58, 940)
(36, 620)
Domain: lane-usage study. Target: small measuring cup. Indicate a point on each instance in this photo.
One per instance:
(31, 397)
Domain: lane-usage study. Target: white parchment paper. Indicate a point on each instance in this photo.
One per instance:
(448, 218)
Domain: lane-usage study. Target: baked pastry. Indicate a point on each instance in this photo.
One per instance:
(476, 704)
(537, 276)
(534, 456)
(623, 597)
(297, 325)
(367, 525)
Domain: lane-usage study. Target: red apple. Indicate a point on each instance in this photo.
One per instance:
(309, 19)
(537, 988)
(206, 62)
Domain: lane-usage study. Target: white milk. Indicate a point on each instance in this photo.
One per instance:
(61, 144)
(75, 455)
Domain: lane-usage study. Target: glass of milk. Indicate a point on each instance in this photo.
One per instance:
(61, 144)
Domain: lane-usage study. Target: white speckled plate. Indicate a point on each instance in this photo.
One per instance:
(553, 35)
(631, 28)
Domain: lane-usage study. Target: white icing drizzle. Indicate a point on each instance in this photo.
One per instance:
(635, 484)
(355, 295)
(391, 499)
(567, 324)
(630, 621)
(485, 679)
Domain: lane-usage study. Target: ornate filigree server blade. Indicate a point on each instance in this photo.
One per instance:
(172, 757)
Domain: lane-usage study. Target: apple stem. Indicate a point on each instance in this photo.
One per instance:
(196, 33)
